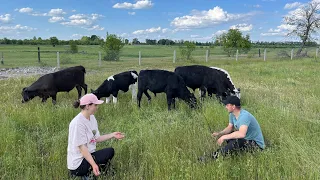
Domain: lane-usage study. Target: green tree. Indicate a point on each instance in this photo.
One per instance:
(186, 50)
(85, 40)
(54, 41)
(73, 46)
(233, 41)
(135, 41)
(126, 41)
(112, 47)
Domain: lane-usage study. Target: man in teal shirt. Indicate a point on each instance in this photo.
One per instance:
(242, 133)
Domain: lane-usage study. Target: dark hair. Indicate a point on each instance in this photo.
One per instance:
(76, 104)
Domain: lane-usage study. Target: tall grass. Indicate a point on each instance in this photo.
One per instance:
(282, 95)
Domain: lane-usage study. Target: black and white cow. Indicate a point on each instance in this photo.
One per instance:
(212, 79)
(111, 86)
(61, 81)
(158, 81)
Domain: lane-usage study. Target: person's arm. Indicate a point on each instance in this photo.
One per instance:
(85, 152)
(226, 130)
(235, 135)
(117, 135)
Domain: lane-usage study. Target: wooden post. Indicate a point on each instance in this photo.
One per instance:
(237, 55)
(38, 54)
(174, 56)
(2, 58)
(99, 59)
(139, 58)
(265, 54)
(259, 53)
(317, 51)
(58, 60)
(207, 55)
(291, 53)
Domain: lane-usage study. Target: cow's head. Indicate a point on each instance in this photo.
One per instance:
(189, 98)
(96, 92)
(27, 95)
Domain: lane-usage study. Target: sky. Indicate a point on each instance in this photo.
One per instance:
(197, 20)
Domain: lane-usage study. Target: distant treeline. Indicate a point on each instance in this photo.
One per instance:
(96, 40)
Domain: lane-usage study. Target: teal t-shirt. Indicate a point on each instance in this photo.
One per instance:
(254, 131)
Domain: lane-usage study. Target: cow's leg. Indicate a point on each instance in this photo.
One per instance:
(134, 91)
(85, 87)
(108, 99)
(169, 101)
(203, 92)
(54, 99)
(139, 96)
(174, 103)
(44, 99)
(79, 91)
(115, 97)
(148, 96)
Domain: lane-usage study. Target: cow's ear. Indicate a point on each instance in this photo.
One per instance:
(239, 89)
(24, 89)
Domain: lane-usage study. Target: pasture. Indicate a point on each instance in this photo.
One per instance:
(282, 94)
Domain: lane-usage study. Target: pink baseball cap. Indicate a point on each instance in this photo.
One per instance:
(90, 98)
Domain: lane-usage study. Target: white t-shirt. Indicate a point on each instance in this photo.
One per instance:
(81, 131)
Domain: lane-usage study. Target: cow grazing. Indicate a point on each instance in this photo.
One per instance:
(61, 81)
(158, 81)
(214, 80)
(111, 86)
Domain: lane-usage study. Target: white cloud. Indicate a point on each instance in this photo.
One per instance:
(18, 27)
(85, 21)
(165, 30)
(218, 33)
(194, 36)
(242, 27)
(76, 36)
(202, 19)
(39, 14)
(124, 35)
(292, 5)
(132, 13)
(147, 31)
(56, 19)
(140, 4)
(273, 34)
(25, 10)
(257, 6)
(287, 27)
(281, 30)
(5, 18)
(73, 10)
(56, 12)
(274, 30)
(95, 27)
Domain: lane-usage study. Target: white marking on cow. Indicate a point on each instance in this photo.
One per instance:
(110, 78)
(134, 75)
(108, 99)
(115, 100)
(228, 76)
(133, 88)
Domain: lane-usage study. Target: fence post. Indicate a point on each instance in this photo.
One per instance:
(317, 51)
(207, 55)
(38, 54)
(139, 58)
(58, 60)
(99, 59)
(291, 53)
(2, 58)
(174, 56)
(265, 54)
(259, 53)
(237, 55)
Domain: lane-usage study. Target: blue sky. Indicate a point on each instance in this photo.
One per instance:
(198, 20)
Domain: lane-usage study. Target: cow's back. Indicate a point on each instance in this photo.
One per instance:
(67, 79)
(154, 80)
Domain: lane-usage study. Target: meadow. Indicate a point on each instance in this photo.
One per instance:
(282, 94)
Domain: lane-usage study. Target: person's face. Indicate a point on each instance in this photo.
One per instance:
(92, 108)
(230, 108)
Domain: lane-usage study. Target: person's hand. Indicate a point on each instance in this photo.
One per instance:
(215, 134)
(118, 135)
(220, 140)
(95, 169)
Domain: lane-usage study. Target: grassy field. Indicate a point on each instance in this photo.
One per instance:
(282, 94)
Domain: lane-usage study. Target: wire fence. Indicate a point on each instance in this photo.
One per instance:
(32, 56)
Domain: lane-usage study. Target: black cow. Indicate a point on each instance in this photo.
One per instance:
(61, 81)
(158, 81)
(214, 80)
(111, 86)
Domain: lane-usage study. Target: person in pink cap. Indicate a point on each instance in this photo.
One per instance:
(83, 136)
